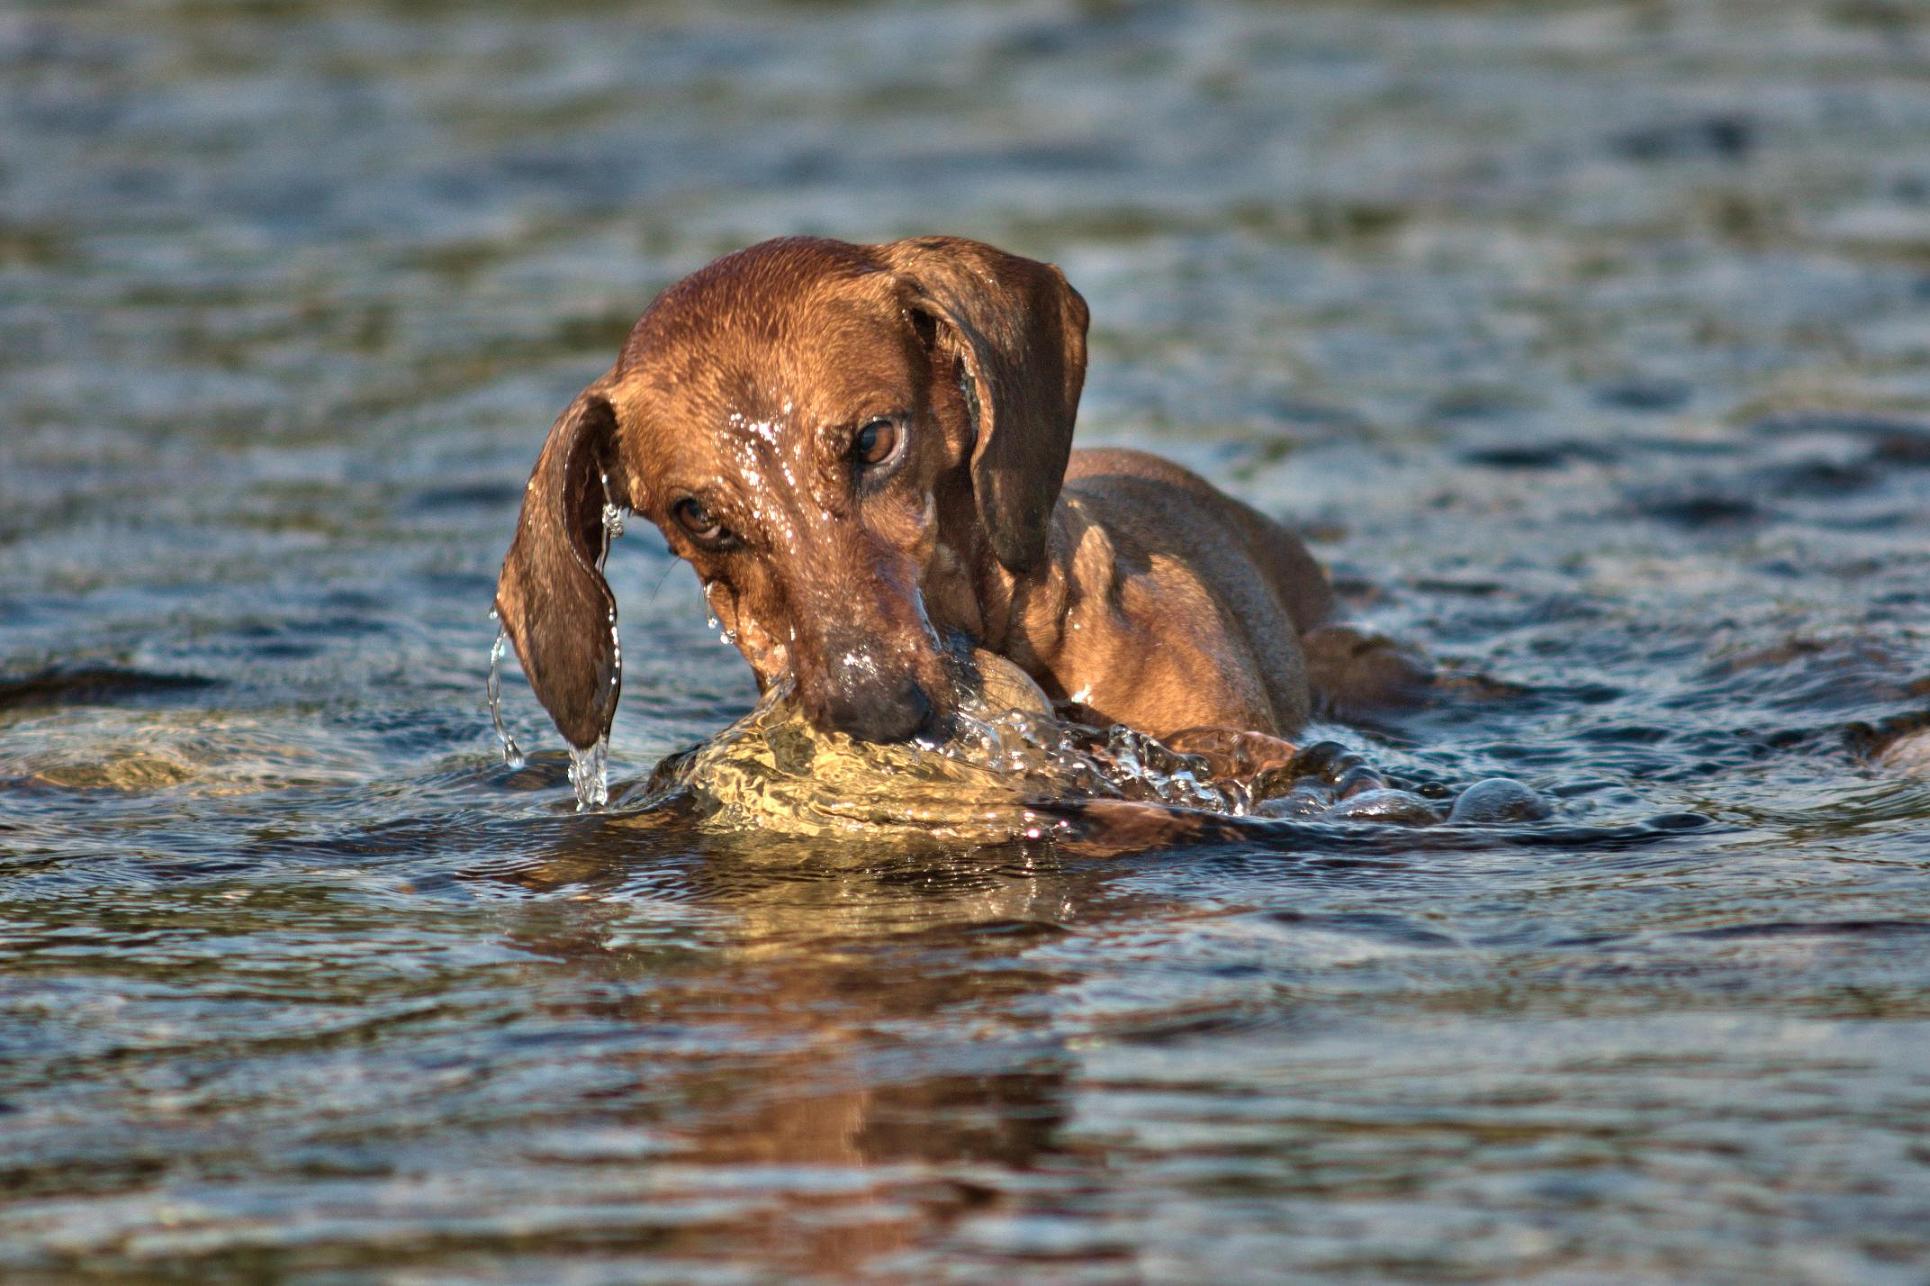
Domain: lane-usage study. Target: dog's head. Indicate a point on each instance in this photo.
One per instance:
(828, 433)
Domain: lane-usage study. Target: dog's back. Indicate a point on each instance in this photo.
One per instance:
(1267, 587)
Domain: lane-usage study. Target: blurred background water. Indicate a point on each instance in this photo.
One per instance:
(1589, 341)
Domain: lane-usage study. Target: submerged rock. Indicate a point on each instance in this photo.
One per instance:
(1909, 753)
(201, 753)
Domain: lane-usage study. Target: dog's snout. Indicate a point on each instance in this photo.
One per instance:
(880, 711)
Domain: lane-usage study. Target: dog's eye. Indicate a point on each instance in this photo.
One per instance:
(875, 443)
(695, 519)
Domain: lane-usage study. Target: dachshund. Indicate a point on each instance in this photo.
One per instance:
(865, 451)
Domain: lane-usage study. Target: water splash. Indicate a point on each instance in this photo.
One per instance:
(590, 774)
(1168, 776)
(1005, 751)
(1006, 755)
(512, 753)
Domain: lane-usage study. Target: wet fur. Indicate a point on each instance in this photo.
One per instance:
(1123, 584)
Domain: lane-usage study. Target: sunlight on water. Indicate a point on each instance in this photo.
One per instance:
(1584, 339)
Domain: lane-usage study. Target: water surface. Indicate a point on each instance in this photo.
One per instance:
(1590, 343)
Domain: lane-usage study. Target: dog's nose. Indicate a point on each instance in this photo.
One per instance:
(882, 713)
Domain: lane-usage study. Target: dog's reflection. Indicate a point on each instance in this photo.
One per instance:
(857, 1049)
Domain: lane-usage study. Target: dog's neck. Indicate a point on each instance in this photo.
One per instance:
(1020, 616)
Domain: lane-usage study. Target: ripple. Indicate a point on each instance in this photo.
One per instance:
(94, 685)
(1588, 351)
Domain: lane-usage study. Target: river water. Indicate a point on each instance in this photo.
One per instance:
(1589, 342)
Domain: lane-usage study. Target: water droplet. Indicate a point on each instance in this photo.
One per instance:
(512, 753)
(612, 522)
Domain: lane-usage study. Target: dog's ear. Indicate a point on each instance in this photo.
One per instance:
(551, 596)
(1020, 331)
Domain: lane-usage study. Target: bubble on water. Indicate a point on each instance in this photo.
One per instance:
(512, 753)
(590, 774)
(1498, 799)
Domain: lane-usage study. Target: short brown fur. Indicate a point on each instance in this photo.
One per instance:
(1126, 586)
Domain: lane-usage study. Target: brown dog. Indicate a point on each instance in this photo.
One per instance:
(865, 452)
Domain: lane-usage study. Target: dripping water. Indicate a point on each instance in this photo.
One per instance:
(512, 753)
(590, 766)
(590, 774)
(613, 515)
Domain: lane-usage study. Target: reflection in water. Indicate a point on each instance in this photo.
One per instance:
(1584, 339)
(884, 1140)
